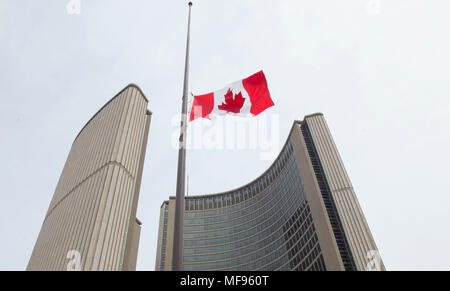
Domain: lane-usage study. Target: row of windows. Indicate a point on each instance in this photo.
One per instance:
(269, 194)
(303, 266)
(299, 236)
(253, 234)
(248, 228)
(276, 259)
(303, 247)
(280, 251)
(267, 228)
(284, 262)
(244, 247)
(237, 196)
(293, 235)
(317, 265)
(250, 262)
(255, 217)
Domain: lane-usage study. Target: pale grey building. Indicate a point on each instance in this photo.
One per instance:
(91, 222)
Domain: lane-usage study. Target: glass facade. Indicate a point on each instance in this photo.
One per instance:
(265, 225)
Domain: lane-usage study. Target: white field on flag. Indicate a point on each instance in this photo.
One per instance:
(236, 88)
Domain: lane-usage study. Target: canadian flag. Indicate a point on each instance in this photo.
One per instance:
(249, 95)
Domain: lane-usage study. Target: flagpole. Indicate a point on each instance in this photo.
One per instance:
(178, 238)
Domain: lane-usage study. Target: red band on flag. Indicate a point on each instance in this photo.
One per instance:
(256, 87)
(202, 106)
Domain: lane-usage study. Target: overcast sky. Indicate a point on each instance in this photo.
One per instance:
(380, 74)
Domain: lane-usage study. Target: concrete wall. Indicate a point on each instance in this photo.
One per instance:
(327, 242)
(95, 199)
(354, 223)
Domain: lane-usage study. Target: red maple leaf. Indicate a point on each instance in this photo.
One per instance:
(232, 103)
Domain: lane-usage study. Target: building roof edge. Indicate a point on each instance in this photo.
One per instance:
(131, 85)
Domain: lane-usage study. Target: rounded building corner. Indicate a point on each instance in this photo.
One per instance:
(129, 86)
(133, 85)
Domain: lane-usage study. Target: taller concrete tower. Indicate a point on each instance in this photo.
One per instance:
(91, 222)
(300, 214)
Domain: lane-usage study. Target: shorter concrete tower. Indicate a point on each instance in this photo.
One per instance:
(91, 222)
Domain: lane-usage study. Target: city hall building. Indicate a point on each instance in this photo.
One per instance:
(300, 214)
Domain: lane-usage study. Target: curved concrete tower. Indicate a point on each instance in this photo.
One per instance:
(91, 222)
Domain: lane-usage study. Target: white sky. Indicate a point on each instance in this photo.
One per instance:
(381, 79)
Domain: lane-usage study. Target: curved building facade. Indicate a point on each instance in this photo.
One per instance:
(300, 214)
(91, 222)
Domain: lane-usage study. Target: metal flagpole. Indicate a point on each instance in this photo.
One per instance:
(178, 239)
